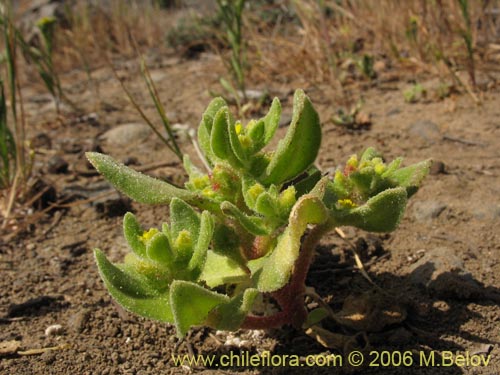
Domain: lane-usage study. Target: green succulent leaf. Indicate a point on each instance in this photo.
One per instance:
(298, 150)
(369, 154)
(142, 188)
(132, 291)
(305, 182)
(412, 176)
(235, 143)
(159, 250)
(253, 224)
(273, 271)
(381, 213)
(256, 132)
(229, 316)
(183, 217)
(133, 232)
(271, 122)
(220, 269)
(206, 231)
(316, 316)
(191, 304)
(205, 128)
(219, 138)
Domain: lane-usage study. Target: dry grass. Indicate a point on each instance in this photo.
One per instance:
(414, 36)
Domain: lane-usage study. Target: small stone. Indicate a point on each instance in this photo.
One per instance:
(437, 167)
(54, 330)
(442, 271)
(426, 130)
(427, 210)
(57, 165)
(487, 212)
(79, 320)
(126, 134)
(393, 112)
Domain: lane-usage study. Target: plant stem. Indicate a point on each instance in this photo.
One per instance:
(290, 297)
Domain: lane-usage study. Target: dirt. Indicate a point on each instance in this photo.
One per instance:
(436, 279)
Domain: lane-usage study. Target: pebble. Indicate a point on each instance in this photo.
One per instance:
(437, 167)
(79, 320)
(57, 165)
(54, 330)
(427, 210)
(487, 212)
(442, 271)
(426, 130)
(126, 134)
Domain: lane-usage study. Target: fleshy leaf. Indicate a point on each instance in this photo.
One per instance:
(229, 316)
(256, 132)
(183, 217)
(138, 186)
(411, 177)
(299, 148)
(267, 205)
(206, 232)
(133, 231)
(205, 127)
(159, 250)
(219, 138)
(273, 272)
(271, 121)
(132, 291)
(220, 269)
(369, 154)
(307, 181)
(234, 141)
(381, 213)
(316, 316)
(252, 224)
(191, 304)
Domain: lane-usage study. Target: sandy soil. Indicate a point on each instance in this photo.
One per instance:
(436, 278)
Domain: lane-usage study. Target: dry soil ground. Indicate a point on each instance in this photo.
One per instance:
(437, 277)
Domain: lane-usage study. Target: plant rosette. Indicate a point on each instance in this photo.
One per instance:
(250, 224)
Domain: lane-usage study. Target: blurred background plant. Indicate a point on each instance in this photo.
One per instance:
(337, 47)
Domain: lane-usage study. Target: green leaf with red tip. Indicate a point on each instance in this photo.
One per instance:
(191, 304)
(132, 291)
(298, 150)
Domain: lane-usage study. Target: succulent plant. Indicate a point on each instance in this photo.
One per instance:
(249, 225)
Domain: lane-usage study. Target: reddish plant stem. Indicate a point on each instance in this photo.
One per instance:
(290, 297)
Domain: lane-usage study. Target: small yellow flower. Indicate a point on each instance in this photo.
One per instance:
(347, 203)
(148, 234)
(183, 241)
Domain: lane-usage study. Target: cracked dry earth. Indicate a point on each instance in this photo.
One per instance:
(437, 277)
